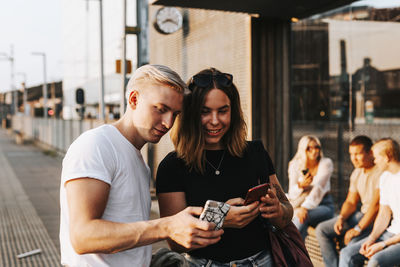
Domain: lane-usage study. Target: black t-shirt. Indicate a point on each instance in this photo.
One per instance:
(236, 177)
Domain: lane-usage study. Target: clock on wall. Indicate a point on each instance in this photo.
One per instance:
(168, 20)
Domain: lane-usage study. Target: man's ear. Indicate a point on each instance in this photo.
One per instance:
(133, 99)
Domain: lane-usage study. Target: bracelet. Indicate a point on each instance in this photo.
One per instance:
(357, 228)
(384, 244)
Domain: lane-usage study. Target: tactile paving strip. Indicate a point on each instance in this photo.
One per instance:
(21, 229)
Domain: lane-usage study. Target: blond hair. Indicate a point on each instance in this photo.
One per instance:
(388, 147)
(301, 156)
(159, 74)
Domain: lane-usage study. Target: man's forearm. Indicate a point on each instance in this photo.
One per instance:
(368, 218)
(101, 236)
(347, 210)
(381, 223)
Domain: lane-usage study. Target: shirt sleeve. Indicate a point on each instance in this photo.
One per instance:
(266, 159)
(89, 156)
(170, 175)
(320, 182)
(353, 181)
(384, 198)
(294, 175)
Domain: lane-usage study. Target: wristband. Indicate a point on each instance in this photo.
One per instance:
(357, 228)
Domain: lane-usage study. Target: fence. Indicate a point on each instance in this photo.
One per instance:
(57, 134)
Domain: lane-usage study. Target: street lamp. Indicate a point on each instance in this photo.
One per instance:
(43, 55)
(25, 92)
(10, 57)
(101, 101)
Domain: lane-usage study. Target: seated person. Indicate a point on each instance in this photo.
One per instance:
(353, 224)
(309, 185)
(213, 161)
(382, 246)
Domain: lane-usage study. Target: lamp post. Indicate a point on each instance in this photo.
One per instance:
(101, 101)
(10, 57)
(24, 91)
(43, 55)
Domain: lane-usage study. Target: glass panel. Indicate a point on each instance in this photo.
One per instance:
(346, 80)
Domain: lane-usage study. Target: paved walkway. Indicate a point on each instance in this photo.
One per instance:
(21, 228)
(29, 204)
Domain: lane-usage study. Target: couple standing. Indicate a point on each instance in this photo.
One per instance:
(105, 199)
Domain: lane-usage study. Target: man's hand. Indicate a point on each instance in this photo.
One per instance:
(374, 248)
(365, 246)
(239, 216)
(350, 234)
(338, 227)
(190, 232)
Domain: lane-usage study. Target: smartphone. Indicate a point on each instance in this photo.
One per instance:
(305, 171)
(215, 212)
(255, 193)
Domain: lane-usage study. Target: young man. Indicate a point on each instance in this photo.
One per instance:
(382, 246)
(353, 224)
(104, 195)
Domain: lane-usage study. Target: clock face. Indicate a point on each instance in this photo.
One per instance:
(168, 20)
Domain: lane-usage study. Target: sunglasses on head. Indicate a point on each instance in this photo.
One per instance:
(205, 80)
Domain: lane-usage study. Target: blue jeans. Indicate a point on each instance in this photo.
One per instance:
(323, 212)
(261, 259)
(389, 256)
(326, 234)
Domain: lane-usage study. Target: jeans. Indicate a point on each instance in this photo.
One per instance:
(326, 234)
(323, 212)
(389, 256)
(261, 259)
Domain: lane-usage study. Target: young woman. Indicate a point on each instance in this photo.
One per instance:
(309, 185)
(213, 161)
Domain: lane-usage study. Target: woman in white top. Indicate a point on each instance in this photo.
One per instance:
(309, 185)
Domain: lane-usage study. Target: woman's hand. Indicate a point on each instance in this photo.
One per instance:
(307, 180)
(239, 216)
(271, 206)
(302, 214)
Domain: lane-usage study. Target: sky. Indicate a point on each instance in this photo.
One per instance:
(36, 26)
(30, 26)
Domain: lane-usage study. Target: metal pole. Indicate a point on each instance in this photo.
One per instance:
(43, 55)
(102, 110)
(14, 92)
(24, 91)
(123, 60)
(45, 86)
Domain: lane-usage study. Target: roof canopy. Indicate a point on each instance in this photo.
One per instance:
(282, 9)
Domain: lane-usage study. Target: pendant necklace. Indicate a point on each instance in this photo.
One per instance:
(217, 171)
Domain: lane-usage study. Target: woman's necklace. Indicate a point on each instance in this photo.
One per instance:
(217, 171)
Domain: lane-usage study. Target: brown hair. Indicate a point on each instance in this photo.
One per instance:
(187, 134)
(363, 140)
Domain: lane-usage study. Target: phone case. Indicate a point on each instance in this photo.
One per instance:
(215, 212)
(256, 193)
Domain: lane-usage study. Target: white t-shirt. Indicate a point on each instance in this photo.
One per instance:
(105, 154)
(389, 195)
